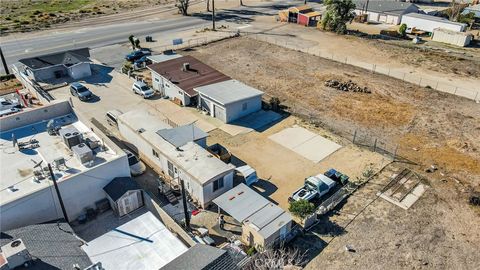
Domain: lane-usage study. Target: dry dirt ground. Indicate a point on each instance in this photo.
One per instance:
(9, 86)
(428, 127)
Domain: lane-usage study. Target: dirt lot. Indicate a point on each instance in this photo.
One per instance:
(429, 128)
(9, 86)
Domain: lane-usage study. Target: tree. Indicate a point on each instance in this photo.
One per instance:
(402, 30)
(301, 208)
(131, 38)
(338, 13)
(277, 258)
(182, 6)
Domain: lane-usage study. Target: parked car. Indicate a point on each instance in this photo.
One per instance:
(314, 187)
(112, 117)
(137, 167)
(248, 173)
(135, 55)
(79, 90)
(138, 63)
(142, 89)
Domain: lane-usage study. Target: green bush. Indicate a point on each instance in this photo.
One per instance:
(402, 30)
(301, 208)
(251, 251)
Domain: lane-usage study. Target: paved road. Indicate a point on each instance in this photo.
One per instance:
(98, 36)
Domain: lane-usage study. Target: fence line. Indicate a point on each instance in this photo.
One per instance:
(473, 94)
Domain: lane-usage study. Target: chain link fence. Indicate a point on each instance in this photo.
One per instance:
(473, 94)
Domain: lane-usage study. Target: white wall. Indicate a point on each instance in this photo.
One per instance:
(430, 25)
(44, 74)
(167, 88)
(454, 38)
(235, 110)
(77, 192)
(80, 70)
(201, 194)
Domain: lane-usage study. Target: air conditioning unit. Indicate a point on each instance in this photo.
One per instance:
(16, 254)
(83, 153)
(92, 142)
(71, 136)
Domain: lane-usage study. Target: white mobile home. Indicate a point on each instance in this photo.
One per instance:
(229, 100)
(205, 177)
(428, 23)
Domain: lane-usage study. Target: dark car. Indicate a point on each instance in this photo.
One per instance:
(77, 89)
(142, 60)
(135, 55)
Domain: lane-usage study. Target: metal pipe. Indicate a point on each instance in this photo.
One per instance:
(58, 193)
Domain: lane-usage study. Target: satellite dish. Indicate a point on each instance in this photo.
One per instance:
(37, 164)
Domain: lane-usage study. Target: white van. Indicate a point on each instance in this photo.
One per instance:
(112, 117)
(248, 173)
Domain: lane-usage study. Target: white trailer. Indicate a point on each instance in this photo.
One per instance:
(428, 23)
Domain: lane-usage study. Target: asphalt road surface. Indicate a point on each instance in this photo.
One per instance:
(102, 35)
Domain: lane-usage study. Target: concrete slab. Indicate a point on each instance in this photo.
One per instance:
(409, 199)
(254, 121)
(305, 143)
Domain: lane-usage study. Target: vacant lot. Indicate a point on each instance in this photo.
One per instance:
(427, 126)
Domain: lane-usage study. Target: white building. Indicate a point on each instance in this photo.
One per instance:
(177, 78)
(461, 39)
(229, 100)
(428, 23)
(205, 176)
(27, 194)
(390, 12)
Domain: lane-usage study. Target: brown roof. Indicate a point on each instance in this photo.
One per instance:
(199, 74)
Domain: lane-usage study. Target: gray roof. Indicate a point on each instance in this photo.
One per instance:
(67, 58)
(119, 186)
(433, 18)
(179, 136)
(202, 257)
(246, 205)
(53, 246)
(391, 7)
(227, 92)
(158, 58)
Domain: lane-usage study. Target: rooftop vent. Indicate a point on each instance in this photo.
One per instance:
(16, 254)
(83, 153)
(186, 67)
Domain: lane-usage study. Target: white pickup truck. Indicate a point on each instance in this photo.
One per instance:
(314, 187)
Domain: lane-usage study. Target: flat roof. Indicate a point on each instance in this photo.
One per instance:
(191, 157)
(202, 257)
(141, 243)
(19, 172)
(148, 119)
(198, 74)
(179, 136)
(432, 18)
(53, 245)
(247, 206)
(159, 58)
(228, 92)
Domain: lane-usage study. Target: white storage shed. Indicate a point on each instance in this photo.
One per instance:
(124, 195)
(428, 23)
(229, 100)
(451, 37)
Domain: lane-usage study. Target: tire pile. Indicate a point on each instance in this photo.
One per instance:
(347, 86)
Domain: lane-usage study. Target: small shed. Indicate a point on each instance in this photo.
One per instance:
(309, 19)
(461, 39)
(124, 195)
(294, 11)
(263, 223)
(229, 100)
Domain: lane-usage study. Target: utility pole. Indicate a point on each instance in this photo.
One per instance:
(184, 201)
(4, 62)
(52, 175)
(213, 15)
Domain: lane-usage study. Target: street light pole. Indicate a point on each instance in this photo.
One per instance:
(52, 175)
(213, 15)
(4, 62)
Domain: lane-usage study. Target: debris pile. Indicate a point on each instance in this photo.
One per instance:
(347, 86)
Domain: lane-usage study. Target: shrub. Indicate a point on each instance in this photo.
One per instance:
(301, 208)
(251, 251)
(402, 30)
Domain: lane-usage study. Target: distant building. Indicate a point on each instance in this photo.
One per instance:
(428, 23)
(475, 9)
(83, 162)
(177, 78)
(74, 64)
(390, 12)
(202, 257)
(42, 246)
(178, 153)
(229, 100)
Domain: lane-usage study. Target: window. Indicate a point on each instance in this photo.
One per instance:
(217, 184)
(244, 106)
(155, 153)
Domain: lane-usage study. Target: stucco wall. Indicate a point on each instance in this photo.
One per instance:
(167, 88)
(77, 192)
(235, 110)
(80, 70)
(45, 74)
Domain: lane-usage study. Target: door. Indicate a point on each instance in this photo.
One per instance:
(219, 113)
(129, 202)
(383, 18)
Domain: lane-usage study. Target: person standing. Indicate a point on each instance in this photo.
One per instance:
(221, 222)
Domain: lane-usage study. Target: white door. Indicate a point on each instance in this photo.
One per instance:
(383, 18)
(129, 202)
(219, 113)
